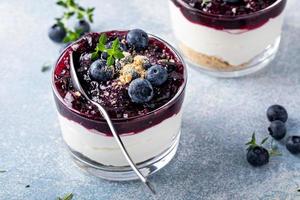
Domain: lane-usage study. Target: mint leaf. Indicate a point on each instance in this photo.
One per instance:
(45, 68)
(110, 61)
(103, 39)
(116, 44)
(114, 52)
(61, 3)
(95, 55)
(119, 55)
(71, 36)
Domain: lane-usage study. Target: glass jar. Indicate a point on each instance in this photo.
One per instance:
(151, 139)
(227, 46)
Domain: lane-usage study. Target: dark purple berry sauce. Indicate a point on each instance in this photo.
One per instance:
(129, 117)
(230, 14)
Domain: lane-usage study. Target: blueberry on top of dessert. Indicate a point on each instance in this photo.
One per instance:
(130, 73)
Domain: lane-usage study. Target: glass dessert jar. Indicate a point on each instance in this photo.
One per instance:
(149, 131)
(227, 38)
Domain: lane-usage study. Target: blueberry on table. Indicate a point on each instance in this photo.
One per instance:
(83, 26)
(138, 39)
(277, 129)
(277, 112)
(57, 33)
(99, 71)
(293, 144)
(140, 91)
(157, 75)
(257, 156)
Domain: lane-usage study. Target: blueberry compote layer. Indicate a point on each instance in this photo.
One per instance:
(129, 117)
(230, 14)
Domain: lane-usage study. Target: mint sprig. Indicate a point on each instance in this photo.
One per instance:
(114, 52)
(66, 197)
(72, 8)
(252, 143)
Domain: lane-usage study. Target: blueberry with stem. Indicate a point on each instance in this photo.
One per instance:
(257, 155)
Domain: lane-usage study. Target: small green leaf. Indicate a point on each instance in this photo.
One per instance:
(110, 52)
(71, 36)
(68, 15)
(119, 55)
(81, 9)
(103, 39)
(116, 44)
(95, 55)
(3, 171)
(66, 197)
(80, 16)
(110, 61)
(264, 140)
(46, 67)
(90, 10)
(62, 3)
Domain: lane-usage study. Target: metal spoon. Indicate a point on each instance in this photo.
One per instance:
(78, 87)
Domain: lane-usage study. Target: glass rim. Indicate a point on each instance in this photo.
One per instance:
(79, 114)
(228, 18)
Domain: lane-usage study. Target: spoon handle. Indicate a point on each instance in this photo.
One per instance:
(122, 147)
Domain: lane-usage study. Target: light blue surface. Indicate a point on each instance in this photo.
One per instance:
(219, 116)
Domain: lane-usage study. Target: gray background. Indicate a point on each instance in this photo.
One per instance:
(219, 115)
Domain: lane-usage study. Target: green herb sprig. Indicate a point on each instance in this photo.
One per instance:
(252, 144)
(113, 53)
(72, 8)
(66, 197)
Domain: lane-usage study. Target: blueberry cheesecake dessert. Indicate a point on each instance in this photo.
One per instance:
(228, 35)
(140, 80)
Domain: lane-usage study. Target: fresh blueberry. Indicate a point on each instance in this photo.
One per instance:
(157, 75)
(83, 26)
(257, 156)
(100, 72)
(277, 129)
(138, 39)
(293, 144)
(140, 91)
(277, 112)
(56, 33)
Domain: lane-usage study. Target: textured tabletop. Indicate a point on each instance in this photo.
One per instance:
(219, 115)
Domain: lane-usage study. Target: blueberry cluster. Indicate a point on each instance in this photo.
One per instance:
(277, 115)
(140, 89)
